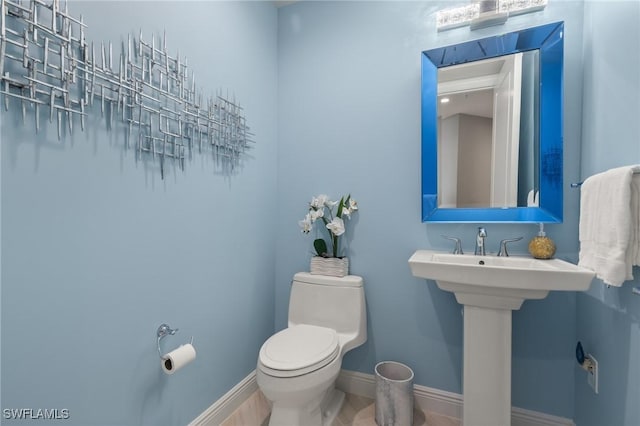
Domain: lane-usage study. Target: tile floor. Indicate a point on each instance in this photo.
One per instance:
(253, 412)
(356, 411)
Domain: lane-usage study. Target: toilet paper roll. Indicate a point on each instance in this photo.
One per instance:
(176, 359)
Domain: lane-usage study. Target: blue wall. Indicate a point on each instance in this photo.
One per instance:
(90, 266)
(609, 318)
(98, 251)
(349, 122)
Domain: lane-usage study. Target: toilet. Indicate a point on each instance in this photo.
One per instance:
(298, 366)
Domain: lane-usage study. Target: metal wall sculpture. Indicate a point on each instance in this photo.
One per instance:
(46, 63)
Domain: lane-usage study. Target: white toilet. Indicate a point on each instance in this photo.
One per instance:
(298, 366)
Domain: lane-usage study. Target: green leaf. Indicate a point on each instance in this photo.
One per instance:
(340, 207)
(320, 246)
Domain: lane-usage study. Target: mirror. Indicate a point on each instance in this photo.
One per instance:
(506, 93)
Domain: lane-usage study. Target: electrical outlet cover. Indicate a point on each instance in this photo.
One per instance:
(592, 374)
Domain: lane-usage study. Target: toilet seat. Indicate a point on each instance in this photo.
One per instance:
(298, 350)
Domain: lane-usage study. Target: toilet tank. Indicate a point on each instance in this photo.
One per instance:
(333, 302)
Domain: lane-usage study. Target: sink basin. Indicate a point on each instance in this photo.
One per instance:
(498, 282)
(490, 288)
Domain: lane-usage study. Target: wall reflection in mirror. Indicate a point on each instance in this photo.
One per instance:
(492, 129)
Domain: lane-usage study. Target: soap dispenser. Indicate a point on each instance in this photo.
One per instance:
(541, 246)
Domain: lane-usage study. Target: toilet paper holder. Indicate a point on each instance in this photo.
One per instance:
(163, 331)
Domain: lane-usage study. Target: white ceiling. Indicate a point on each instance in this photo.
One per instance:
(479, 102)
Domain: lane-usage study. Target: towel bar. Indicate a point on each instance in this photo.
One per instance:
(579, 184)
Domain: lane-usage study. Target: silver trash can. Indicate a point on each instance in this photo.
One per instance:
(394, 394)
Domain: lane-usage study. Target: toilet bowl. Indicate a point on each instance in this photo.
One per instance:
(298, 366)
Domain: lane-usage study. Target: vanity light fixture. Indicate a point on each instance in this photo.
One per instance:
(444, 100)
(455, 17)
(482, 13)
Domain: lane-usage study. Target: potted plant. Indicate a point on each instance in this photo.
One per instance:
(328, 259)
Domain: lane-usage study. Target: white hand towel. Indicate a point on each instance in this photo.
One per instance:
(609, 224)
(634, 242)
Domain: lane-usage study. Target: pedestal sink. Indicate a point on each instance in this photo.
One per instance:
(490, 288)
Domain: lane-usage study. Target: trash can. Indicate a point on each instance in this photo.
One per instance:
(394, 394)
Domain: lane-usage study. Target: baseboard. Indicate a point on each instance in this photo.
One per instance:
(230, 401)
(522, 417)
(431, 399)
(442, 402)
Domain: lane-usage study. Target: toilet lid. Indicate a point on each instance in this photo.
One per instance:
(299, 350)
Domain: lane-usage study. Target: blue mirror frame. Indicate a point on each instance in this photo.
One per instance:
(549, 39)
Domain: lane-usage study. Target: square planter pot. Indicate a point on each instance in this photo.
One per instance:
(332, 266)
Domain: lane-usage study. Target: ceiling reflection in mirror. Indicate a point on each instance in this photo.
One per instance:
(492, 129)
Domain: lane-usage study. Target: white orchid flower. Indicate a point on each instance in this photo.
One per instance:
(336, 226)
(306, 224)
(316, 214)
(330, 204)
(348, 209)
(319, 201)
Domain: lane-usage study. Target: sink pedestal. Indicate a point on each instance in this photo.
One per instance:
(487, 367)
(486, 379)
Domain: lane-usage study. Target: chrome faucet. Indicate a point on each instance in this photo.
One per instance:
(503, 246)
(458, 247)
(482, 234)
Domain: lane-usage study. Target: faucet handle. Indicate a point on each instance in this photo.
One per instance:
(458, 248)
(503, 246)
